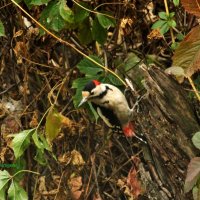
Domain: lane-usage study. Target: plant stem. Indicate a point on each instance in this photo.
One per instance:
(194, 88)
(167, 13)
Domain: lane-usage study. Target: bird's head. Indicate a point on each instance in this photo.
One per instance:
(91, 90)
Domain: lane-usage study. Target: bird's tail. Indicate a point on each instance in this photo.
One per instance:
(129, 131)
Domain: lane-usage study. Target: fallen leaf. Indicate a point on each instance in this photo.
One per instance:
(192, 6)
(193, 174)
(133, 183)
(75, 186)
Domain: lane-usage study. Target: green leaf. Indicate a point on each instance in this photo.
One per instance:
(2, 30)
(66, 13)
(131, 61)
(180, 36)
(163, 15)
(175, 45)
(193, 174)
(98, 32)
(176, 2)
(171, 23)
(171, 15)
(40, 157)
(196, 140)
(89, 68)
(16, 192)
(164, 28)
(105, 21)
(39, 2)
(53, 124)
(41, 145)
(21, 142)
(114, 80)
(158, 24)
(195, 193)
(80, 13)
(51, 18)
(4, 179)
(84, 32)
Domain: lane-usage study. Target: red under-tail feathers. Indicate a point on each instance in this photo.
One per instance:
(128, 129)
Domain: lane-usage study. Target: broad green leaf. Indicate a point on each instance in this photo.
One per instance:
(158, 24)
(193, 174)
(16, 192)
(89, 68)
(51, 18)
(114, 80)
(80, 14)
(171, 15)
(4, 179)
(2, 30)
(45, 143)
(66, 13)
(131, 61)
(105, 21)
(180, 36)
(84, 32)
(98, 32)
(163, 15)
(164, 28)
(40, 157)
(176, 2)
(21, 142)
(3, 194)
(171, 23)
(188, 53)
(41, 145)
(37, 141)
(196, 140)
(53, 124)
(20, 165)
(174, 45)
(39, 2)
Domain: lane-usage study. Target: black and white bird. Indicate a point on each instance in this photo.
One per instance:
(111, 105)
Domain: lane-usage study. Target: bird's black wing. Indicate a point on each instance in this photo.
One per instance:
(109, 115)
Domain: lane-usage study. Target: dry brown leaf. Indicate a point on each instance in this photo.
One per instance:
(74, 158)
(20, 50)
(187, 55)
(192, 6)
(75, 185)
(154, 34)
(34, 121)
(133, 183)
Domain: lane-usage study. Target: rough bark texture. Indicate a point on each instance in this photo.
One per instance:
(168, 123)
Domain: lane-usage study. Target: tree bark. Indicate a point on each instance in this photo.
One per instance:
(168, 123)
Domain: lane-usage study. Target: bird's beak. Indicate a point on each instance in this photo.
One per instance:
(84, 99)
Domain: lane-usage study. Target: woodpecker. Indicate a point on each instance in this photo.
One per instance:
(111, 105)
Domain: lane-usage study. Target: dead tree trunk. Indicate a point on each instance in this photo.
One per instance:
(168, 122)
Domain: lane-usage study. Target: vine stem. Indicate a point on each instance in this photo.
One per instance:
(167, 12)
(194, 88)
(67, 43)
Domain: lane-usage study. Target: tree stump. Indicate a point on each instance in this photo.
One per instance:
(168, 123)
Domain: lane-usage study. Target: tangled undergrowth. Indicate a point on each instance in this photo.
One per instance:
(85, 160)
